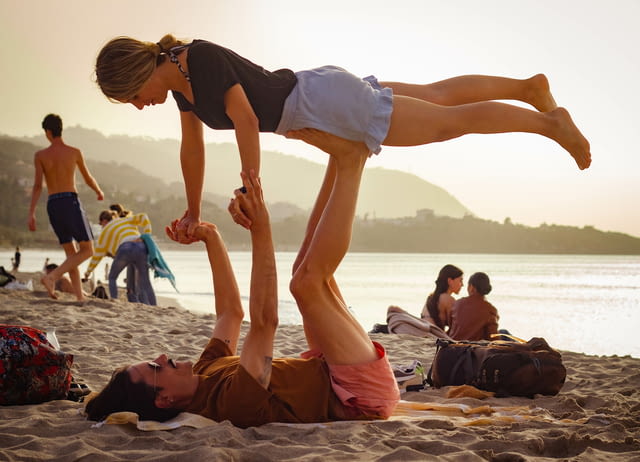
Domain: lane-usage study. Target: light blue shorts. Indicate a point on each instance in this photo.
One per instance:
(331, 99)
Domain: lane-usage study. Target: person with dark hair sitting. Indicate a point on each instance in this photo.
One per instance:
(437, 308)
(343, 376)
(473, 317)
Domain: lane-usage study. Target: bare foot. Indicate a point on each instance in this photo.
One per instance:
(331, 144)
(50, 285)
(570, 138)
(540, 95)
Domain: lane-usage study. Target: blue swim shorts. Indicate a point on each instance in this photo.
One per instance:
(331, 99)
(67, 218)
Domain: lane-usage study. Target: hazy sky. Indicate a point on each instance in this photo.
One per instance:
(588, 49)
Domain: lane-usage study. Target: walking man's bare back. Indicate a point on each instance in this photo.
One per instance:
(56, 165)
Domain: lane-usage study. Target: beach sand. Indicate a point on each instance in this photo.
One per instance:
(596, 416)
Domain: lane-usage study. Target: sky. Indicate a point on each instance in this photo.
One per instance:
(587, 49)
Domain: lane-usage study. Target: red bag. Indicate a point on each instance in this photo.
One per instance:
(31, 369)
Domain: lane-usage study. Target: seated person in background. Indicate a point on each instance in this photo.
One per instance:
(472, 317)
(345, 376)
(437, 308)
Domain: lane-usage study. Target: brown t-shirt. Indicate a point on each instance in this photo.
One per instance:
(299, 391)
(473, 318)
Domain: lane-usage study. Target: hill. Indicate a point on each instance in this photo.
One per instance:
(424, 230)
(286, 178)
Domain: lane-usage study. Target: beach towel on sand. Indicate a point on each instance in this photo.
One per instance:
(401, 322)
(456, 413)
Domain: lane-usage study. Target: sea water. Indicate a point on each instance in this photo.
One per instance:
(582, 303)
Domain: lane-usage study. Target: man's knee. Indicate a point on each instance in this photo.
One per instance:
(305, 284)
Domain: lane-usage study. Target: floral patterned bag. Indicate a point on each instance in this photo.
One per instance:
(31, 369)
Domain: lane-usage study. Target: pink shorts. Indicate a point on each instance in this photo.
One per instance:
(365, 390)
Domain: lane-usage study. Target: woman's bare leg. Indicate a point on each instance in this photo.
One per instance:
(416, 122)
(475, 88)
(330, 326)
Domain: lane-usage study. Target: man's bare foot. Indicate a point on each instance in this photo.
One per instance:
(331, 144)
(540, 95)
(570, 138)
(50, 285)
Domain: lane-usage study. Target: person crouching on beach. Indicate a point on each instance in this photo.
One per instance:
(343, 376)
(120, 238)
(57, 165)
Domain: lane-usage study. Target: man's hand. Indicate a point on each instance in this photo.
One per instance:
(100, 194)
(236, 212)
(32, 223)
(250, 203)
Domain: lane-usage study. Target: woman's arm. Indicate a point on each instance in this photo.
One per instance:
(247, 128)
(193, 163)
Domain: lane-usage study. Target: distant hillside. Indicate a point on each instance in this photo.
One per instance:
(425, 231)
(384, 193)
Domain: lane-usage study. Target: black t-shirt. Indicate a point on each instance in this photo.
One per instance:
(214, 69)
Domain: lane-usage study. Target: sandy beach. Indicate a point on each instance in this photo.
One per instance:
(595, 417)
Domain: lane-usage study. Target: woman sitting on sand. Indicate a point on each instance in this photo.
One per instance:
(343, 376)
(214, 85)
(437, 308)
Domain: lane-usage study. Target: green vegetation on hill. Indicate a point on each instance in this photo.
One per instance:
(163, 200)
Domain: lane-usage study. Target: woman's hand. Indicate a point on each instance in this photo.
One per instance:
(200, 233)
(183, 230)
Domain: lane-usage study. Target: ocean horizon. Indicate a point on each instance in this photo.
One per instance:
(582, 303)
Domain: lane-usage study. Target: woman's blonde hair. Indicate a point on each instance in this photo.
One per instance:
(124, 65)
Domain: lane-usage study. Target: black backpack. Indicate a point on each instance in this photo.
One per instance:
(507, 368)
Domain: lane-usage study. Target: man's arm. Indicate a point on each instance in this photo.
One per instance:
(228, 306)
(35, 192)
(257, 351)
(88, 178)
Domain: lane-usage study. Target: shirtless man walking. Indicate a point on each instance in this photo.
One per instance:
(57, 164)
